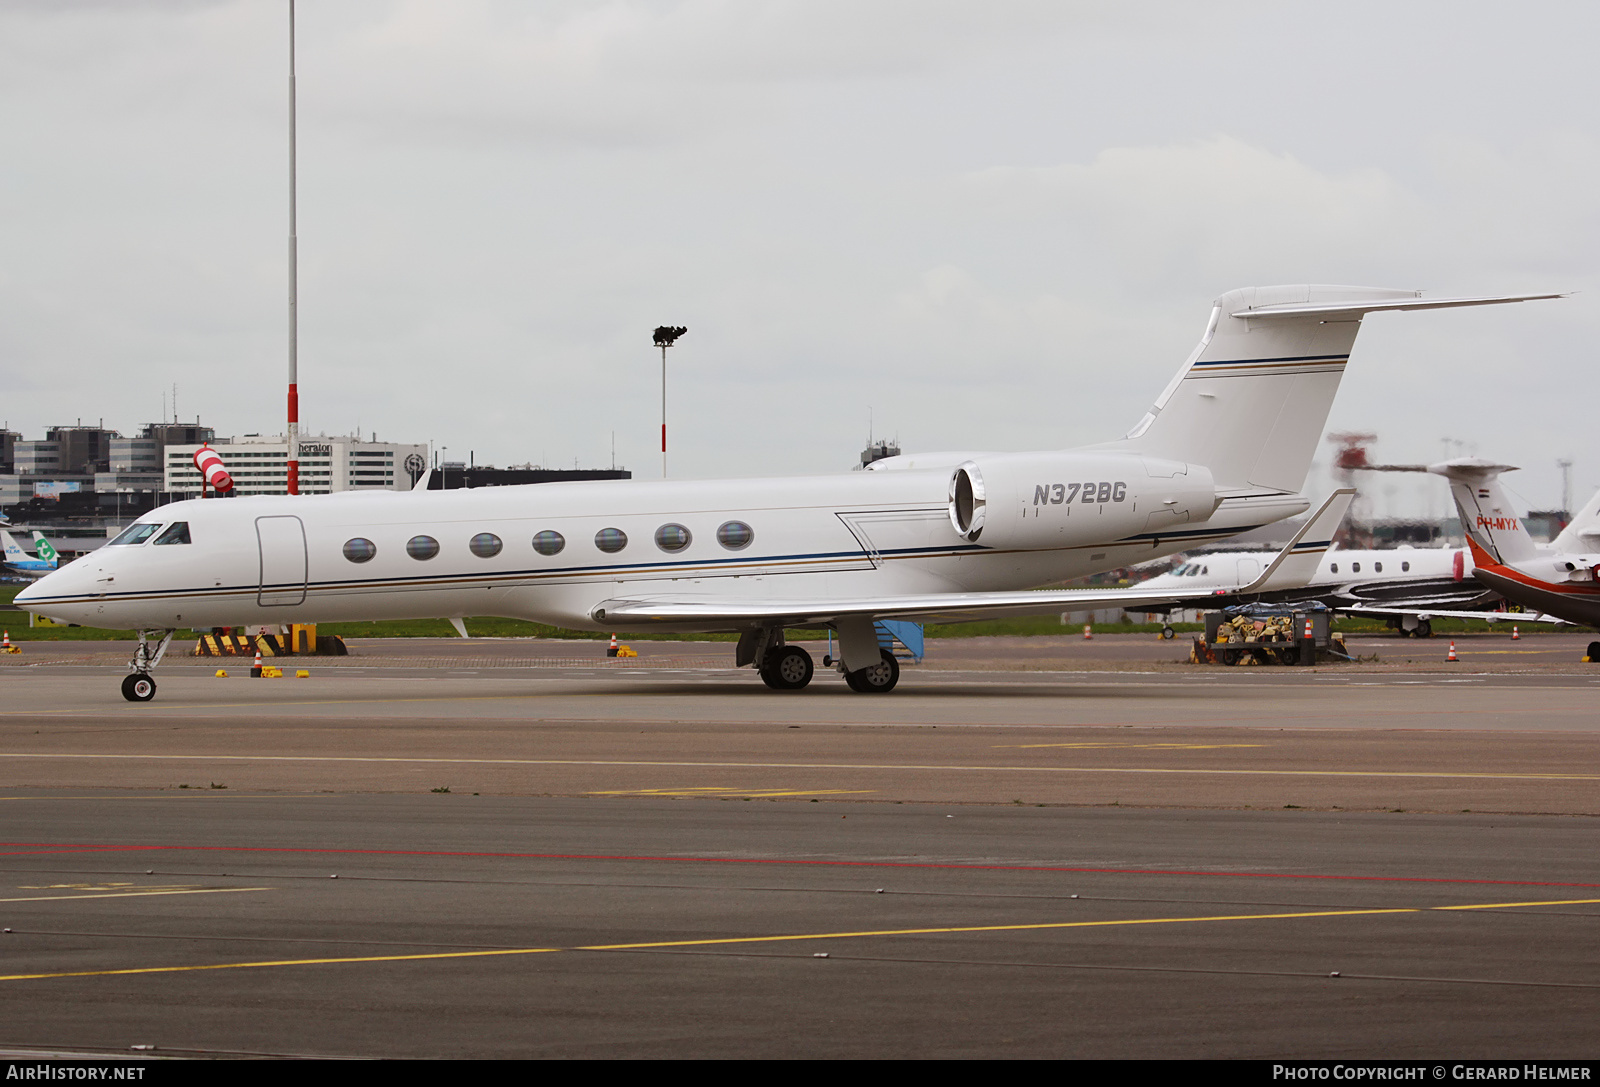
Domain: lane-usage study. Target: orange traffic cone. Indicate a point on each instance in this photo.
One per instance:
(612, 651)
(1088, 632)
(1452, 656)
(1309, 635)
(255, 669)
(1514, 635)
(5, 643)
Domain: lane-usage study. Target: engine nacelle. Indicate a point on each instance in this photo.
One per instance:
(1029, 501)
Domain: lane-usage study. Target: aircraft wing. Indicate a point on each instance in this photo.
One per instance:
(1452, 613)
(1287, 570)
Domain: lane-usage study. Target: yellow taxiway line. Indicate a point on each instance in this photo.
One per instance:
(734, 941)
(674, 764)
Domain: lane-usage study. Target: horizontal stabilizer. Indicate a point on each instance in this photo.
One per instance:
(1359, 309)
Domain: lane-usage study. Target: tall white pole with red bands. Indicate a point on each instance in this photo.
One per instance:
(294, 290)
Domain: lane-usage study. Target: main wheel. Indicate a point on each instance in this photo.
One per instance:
(787, 669)
(1594, 653)
(1167, 634)
(1424, 629)
(138, 687)
(880, 678)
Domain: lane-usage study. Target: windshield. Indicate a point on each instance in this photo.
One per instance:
(135, 534)
(177, 533)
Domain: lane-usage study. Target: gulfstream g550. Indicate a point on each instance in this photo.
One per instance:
(946, 537)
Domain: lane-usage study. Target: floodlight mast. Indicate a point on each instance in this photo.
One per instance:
(665, 337)
(294, 291)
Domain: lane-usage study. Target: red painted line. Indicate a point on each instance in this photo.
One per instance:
(10, 849)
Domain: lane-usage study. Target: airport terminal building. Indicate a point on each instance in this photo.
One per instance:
(259, 464)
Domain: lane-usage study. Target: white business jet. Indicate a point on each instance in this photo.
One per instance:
(1405, 585)
(946, 537)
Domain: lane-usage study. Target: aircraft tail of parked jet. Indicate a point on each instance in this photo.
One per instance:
(44, 552)
(20, 562)
(15, 556)
(1562, 579)
(1251, 402)
(1487, 515)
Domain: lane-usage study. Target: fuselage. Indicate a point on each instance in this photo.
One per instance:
(552, 552)
(1550, 581)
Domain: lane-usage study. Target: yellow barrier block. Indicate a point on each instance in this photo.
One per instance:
(302, 674)
(222, 673)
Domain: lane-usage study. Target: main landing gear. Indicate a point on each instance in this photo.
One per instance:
(138, 686)
(787, 668)
(880, 678)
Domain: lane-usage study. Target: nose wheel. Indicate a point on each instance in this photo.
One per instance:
(138, 688)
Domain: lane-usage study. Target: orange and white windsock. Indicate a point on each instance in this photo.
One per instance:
(209, 463)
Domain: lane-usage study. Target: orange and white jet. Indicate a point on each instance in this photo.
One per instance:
(1560, 579)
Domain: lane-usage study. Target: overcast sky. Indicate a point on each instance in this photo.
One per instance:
(991, 225)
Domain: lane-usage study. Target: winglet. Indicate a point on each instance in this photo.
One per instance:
(1295, 564)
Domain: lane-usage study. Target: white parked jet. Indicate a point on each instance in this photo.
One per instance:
(1406, 584)
(942, 538)
(1562, 579)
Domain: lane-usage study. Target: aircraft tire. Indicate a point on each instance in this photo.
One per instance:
(1594, 651)
(1167, 634)
(878, 679)
(787, 669)
(1424, 629)
(138, 687)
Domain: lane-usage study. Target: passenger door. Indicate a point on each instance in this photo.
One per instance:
(283, 561)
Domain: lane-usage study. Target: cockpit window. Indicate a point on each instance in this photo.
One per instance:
(177, 533)
(135, 534)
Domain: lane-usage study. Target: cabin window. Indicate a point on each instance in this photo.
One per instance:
(359, 550)
(485, 545)
(1405, 567)
(1333, 568)
(1355, 567)
(422, 547)
(549, 542)
(135, 534)
(672, 537)
(177, 533)
(735, 535)
(1377, 567)
(611, 540)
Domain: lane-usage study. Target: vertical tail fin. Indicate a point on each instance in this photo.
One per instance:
(1487, 515)
(13, 551)
(1251, 402)
(43, 551)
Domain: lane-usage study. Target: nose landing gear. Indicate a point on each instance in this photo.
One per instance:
(138, 686)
